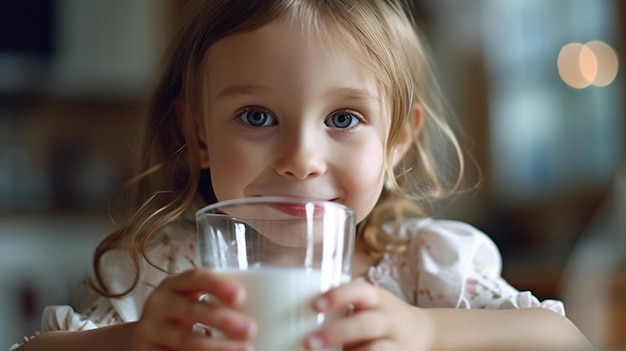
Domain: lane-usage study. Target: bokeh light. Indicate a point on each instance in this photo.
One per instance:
(607, 63)
(581, 65)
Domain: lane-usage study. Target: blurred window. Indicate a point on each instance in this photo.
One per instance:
(549, 138)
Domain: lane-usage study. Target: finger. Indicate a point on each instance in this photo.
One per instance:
(202, 280)
(167, 336)
(185, 312)
(233, 323)
(367, 326)
(378, 345)
(357, 295)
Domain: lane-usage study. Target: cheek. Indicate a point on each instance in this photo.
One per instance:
(235, 166)
(366, 180)
(231, 170)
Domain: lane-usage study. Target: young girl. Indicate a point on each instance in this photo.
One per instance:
(320, 99)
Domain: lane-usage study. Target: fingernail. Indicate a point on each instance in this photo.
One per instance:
(321, 303)
(315, 342)
(239, 297)
(248, 328)
(242, 346)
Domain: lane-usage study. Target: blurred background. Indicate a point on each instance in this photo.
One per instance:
(537, 86)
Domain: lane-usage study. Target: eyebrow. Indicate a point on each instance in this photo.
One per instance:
(345, 93)
(238, 90)
(354, 94)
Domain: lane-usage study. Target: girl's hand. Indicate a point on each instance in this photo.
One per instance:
(173, 309)
(379, 321)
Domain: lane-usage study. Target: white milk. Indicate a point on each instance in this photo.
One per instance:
(280, 300)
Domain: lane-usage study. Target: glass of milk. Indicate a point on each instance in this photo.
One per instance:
(285, 251)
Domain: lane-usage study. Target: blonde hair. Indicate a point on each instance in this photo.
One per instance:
(385, 35)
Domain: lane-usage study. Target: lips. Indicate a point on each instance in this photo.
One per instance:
(300, 210)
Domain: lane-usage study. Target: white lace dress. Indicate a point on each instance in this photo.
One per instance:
(447, 264)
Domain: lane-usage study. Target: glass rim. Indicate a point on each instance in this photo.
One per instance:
(206, 210)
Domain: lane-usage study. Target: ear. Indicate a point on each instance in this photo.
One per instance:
(408, 133)
(193, 130)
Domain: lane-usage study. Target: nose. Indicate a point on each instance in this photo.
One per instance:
(300, 156)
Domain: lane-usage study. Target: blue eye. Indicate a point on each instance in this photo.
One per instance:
(256, 117)
(343, 120)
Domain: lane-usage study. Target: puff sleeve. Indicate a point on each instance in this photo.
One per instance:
(171, 254)
(451, 264)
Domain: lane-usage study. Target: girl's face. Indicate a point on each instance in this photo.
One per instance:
(291, 114)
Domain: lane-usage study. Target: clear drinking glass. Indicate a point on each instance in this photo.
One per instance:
(285, 251)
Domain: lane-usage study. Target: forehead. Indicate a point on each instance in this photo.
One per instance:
(284, 51)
